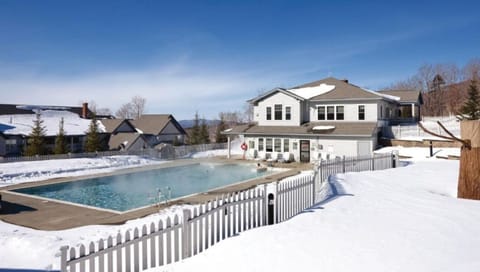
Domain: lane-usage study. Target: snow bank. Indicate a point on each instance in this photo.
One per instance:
(18, 172)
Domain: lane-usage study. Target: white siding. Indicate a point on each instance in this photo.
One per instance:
(260, 110)
(350, 111)
(319, 148)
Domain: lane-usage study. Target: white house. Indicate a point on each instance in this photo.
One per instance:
(322, 119)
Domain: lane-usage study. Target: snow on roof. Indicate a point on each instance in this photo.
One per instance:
(323, 127)
(387, 96)
(21, 124)
(309, 92)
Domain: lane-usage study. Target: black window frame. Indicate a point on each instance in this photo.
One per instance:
(340, 115)
(361, 112)
(321, 113)
(269, 113)
(288, 113)
(277, 112)
(331, 115)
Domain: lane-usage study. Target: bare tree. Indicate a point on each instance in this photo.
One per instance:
(93, 107)
(471, 71)
(138, 106)
(133, 109)
(125, 111)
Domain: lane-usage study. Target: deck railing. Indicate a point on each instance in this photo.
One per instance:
(201, 227)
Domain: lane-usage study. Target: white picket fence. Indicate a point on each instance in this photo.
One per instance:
(177, 238)
(374, 162)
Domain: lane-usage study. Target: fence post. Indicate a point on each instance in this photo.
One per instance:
(314, 181)
(320, 177)
(343, 164)
(373, 162)
(63, 258)
(186, 234)
(276, 204)
(265, 203)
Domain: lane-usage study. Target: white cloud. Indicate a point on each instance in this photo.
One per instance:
(178, 88)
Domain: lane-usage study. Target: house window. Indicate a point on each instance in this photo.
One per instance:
(268, 145)
(251, 144)
(269, 113)
(361, 112)
(321, 113)
(330, 113)
(286, 145)
(260, 144)
(278, 112)
(288, 114)
(339, 112)
(278, 145)
(294, 146)
(381, 112)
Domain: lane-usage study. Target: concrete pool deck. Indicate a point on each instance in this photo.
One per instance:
(43, 214)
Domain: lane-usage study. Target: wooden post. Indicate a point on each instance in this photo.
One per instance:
(469, 174)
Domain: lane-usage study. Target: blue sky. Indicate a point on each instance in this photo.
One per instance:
(211, 56)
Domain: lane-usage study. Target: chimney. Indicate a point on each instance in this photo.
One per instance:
(84, 110)
(345, 80)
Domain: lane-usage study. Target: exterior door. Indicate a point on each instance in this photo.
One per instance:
(304, 151)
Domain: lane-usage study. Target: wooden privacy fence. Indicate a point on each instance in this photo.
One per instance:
(201, 227)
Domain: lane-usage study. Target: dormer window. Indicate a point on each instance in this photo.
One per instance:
(278, 112)
(269, 113)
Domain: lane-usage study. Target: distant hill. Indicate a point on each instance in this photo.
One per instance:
(189, 123)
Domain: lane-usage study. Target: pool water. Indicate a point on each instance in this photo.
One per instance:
(129, 191)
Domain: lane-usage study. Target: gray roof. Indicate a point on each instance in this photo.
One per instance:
(273, 91)
(343, 90)
(112, 124)
(341, 129)
(120, 138)
(155, 123)
(406, 96)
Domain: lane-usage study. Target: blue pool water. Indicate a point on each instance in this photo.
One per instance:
(128, 191)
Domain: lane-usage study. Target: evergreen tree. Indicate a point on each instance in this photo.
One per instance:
(471, 108)
(195, 132)
(36, 139)
(60, 141)
(219, 137)
(204, 133)
(93, 142)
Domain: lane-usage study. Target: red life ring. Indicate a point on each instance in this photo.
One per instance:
(243, 146)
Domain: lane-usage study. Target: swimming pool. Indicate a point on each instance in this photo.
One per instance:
(134, 190)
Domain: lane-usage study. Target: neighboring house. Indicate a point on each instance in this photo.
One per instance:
(160, 128)
(322, 119)
(123, 135)
(408, 108)
(16, 127)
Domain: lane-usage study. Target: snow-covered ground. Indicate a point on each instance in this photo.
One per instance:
(404, 219)
(415, 133)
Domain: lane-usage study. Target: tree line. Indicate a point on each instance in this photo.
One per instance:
(443, 86)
